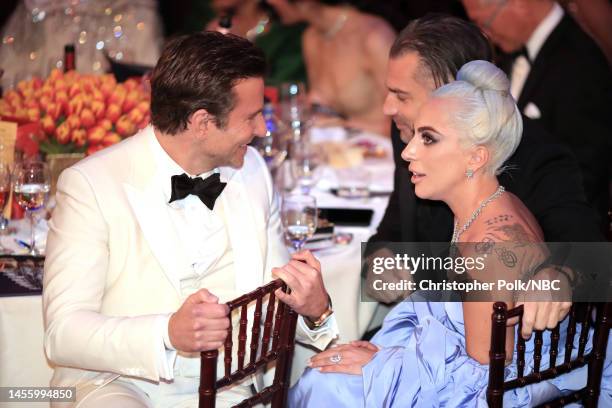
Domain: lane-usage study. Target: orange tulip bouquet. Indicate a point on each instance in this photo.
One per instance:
(79, 113)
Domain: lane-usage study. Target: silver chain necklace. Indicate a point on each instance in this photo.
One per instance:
(457, 232)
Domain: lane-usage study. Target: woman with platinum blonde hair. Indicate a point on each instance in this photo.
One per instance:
(487, 114)
(437, 353)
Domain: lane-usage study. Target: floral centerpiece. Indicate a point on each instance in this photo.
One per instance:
(79, 113)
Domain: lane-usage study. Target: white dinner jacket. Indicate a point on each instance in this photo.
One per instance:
(113, 259)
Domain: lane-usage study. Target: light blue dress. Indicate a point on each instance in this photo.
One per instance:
(423, 363)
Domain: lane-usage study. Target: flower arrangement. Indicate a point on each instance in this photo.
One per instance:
(79, 113)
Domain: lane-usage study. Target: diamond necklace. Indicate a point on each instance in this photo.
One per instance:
(457, 232)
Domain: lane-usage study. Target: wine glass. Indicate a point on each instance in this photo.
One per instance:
(306, 159)
(31, 185)
(299, 219)
(5, 188)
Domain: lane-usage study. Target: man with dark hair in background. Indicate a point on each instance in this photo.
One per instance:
(150, 237)
(427, 54)
(560, 79)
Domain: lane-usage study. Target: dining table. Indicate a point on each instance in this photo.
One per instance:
(22, 359)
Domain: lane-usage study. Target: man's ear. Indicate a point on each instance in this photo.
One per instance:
(200, 122)
(479, 157)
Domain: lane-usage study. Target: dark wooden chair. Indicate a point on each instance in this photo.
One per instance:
(277, 344)
(580, 313)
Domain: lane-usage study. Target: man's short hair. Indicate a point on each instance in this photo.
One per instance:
(199, 71)
(444, 44)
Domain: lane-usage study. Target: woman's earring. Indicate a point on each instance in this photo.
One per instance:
(469, 173)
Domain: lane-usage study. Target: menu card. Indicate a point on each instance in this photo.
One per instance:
(8, 136)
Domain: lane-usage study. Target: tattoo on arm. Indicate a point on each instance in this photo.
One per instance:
(507, 257)
(485, 247)
(501, 230)
(499, 219)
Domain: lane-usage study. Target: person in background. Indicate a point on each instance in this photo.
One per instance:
(345, 52)
(272, 25)
(34, 37)
(560, 78)
(595, 18)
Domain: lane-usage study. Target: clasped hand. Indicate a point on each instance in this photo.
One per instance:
(200, 324)
(303, 276)
(543, 310)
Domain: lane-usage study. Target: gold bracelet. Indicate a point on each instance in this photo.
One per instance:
(321, 320)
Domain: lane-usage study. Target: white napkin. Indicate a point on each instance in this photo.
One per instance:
(10, 243)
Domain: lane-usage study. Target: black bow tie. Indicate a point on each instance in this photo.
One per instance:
(206, 189)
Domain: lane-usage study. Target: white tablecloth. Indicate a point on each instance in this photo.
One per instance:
(22, 359)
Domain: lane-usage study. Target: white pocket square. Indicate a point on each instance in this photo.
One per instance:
(532, 111)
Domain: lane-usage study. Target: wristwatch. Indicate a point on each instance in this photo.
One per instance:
(315, 324)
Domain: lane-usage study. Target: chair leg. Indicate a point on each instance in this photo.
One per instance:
(283, 366)
(208, 378)
(497, 356)
(600, 343)
(290, 349)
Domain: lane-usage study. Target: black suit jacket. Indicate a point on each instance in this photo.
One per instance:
(570, 82)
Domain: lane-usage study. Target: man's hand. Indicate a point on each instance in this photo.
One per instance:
(302, 274)
(541, 315)
(545, 311)
(200, 324)
(346, 358)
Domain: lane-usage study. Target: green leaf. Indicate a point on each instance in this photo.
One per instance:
(52, 146)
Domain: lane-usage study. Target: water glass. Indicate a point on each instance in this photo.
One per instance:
(353, 182)
(306, 161)
(31, 185)
(299, 219)
(5, 188)
(294, 110)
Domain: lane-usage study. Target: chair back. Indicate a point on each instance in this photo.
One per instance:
(580, 314)
(276, 344)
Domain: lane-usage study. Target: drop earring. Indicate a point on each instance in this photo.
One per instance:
(469, 173)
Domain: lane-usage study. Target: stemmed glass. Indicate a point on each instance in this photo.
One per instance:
(305, 165)
(5, 188)
(31, 185)
(294, 108)
(299, 219)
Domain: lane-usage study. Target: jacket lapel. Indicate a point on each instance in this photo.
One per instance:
(542, 62)
(152, 213)
(247, 243)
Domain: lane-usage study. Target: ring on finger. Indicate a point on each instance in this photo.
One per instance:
(336, 358)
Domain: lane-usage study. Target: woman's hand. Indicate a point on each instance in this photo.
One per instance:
(345, 358)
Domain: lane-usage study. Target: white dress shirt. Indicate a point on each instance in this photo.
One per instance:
(203, 235)
(522, 66)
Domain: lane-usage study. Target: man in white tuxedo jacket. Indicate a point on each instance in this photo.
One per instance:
(150, 237)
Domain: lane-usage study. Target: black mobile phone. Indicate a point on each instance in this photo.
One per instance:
(351, 217)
